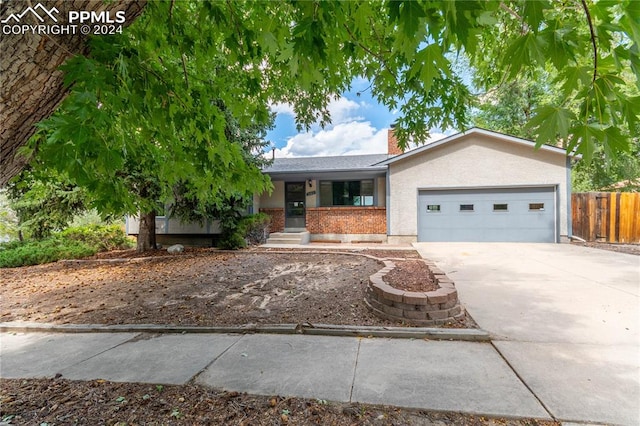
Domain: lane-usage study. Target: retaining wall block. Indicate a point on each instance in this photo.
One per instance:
(405, 306)
(393, 294)
(437, 315)
(438, 296)
(436, 271)
(429, 307)
(456, 310)
(416, 315)
(450, 304)
(391, 310)
(415, 298)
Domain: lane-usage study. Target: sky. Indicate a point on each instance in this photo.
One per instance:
(358, 126)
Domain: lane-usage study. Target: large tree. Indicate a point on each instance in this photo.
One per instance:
(254, 53)
(141, 128)
(31, 85)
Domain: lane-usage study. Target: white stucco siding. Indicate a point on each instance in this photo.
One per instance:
(381, 196)
(312, 198)
(471, 161)
(276, 199)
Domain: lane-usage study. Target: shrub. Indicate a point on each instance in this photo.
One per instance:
(72, 243)
(100, 237)
(255, 228)
(244, 230)
(44, 251)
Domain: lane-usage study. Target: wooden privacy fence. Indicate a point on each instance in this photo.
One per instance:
(612, 217)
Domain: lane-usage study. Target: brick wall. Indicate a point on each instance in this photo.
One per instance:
(392, 143)
(277, 219)
(347, 220)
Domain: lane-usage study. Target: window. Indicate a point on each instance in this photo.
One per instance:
(500, 207)
(536, 206)
(466, 207)
(433, 208)
(346, 193)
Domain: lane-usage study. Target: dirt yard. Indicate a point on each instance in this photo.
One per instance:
(64, 402)
(202, 287)
(205, 288)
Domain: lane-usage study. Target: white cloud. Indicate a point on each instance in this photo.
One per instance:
(343, 139)
(341, 111)
(348, 133)
(283, 108)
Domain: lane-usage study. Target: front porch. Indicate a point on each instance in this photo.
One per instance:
(334, 224)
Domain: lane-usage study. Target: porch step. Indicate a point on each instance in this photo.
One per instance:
(288, 238)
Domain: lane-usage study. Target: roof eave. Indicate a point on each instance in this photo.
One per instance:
(474, 130)
(365, 169)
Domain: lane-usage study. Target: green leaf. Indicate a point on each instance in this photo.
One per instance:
(584, 139)
(631, 110)
(411, 16)
(573, 77)
(533, 12)
(559, 48)
(525, 51)
(551, 123)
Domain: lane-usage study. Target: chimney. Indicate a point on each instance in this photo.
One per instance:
(392, 142)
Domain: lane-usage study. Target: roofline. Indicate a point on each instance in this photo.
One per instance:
(474, 130)
(374, 168)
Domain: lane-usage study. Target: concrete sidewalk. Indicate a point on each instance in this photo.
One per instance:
(458, 376)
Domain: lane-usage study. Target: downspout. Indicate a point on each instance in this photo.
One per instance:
(388, 202)
(569, 207)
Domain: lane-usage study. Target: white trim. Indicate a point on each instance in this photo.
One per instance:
(472, 131)
(463, 188)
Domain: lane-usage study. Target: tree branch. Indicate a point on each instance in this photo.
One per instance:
(515, 14)
(184, 69)
(171, 15)
(369, 51)
(593, 40)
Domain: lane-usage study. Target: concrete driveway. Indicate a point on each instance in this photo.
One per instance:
(566, 318)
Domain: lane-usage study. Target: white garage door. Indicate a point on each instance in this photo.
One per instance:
(496, 214)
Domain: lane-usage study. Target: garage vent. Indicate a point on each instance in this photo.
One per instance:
(466, 207)
(536, 206)
(500, 207)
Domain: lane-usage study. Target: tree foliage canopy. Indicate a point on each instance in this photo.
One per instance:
(149, 108)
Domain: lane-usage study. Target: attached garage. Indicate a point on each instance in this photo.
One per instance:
(479, 186)
(488, 215)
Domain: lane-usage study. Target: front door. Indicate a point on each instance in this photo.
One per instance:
(294, 198)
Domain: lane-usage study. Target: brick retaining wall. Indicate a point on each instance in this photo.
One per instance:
(420, 308)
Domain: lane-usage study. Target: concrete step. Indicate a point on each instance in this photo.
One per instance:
(289, 238)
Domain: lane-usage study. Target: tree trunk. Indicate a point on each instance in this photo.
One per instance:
(147, 232)
(32, 86)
